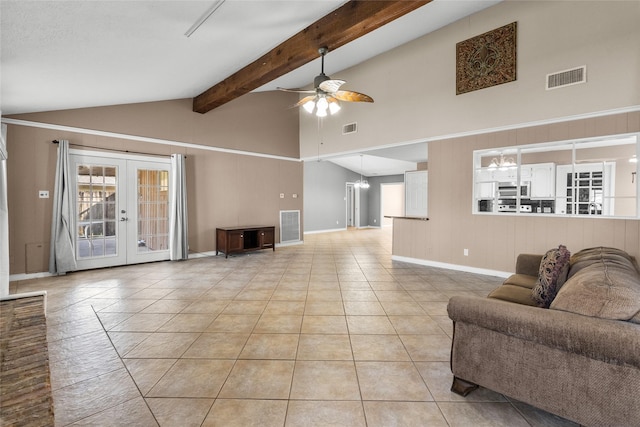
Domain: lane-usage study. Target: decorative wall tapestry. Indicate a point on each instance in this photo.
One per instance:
(486, 60)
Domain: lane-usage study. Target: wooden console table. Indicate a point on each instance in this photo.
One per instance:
(244, 239)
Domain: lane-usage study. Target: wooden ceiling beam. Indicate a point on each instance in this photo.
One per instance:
(345, 24)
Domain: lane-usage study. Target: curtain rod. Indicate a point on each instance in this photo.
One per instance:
(55, 141)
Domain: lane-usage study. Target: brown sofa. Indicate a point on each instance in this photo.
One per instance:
(579, 358)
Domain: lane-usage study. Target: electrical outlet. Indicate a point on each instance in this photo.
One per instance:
(466, 252)
(282, 195)
(294, 195)
(43, 194)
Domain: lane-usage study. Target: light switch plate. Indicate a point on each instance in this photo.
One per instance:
(282, 195)
(43, 194)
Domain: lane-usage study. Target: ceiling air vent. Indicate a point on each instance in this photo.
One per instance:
(350, 128)
(567, 77)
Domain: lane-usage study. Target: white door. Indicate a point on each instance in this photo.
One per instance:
(121, 210)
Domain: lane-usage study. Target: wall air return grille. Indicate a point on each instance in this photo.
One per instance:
(350, 128)
(289, 226)
(567, 78)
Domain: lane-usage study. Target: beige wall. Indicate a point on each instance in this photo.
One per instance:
(223, 189)
(414, 85)
(494, 241)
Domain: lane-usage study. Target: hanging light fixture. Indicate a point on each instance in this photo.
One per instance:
(362, 183)
(502, 163)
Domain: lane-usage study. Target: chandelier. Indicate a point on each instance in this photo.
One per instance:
(361, 183)
(502, 163)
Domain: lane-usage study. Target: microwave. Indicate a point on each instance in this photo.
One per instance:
(509, 190)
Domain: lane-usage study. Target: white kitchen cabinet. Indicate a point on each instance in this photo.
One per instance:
(543, 180)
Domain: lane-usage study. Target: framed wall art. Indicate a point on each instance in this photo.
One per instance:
(486, 60)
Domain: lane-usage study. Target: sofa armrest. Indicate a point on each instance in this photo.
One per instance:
(528, 264)
(612, 341)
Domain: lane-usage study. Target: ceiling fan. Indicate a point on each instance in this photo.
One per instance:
(326, 93)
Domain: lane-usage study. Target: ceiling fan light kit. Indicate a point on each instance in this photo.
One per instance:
(324, 98)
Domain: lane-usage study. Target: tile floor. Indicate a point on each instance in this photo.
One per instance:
(331, 332)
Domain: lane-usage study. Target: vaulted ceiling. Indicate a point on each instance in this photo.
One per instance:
(73, 54)
(60, 54)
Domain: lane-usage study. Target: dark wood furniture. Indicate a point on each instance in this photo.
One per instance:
(244, 239)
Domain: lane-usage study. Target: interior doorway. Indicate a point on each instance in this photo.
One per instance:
(121, 210)
(391, 202)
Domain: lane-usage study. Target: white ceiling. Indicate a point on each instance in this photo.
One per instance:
(59, 55)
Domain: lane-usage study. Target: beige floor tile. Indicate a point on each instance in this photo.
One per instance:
(411, 325)
(435, 308)
(143, 322)
(198, 378)
(487, 414)
(259, 379)
(167, 306)
(324, 295)
(278, 324)
(363, 308)
(324, 325)
(206, 307)
(245, 307)
(357, 295)
(216, 345)
(403, 308)
(109, 320)
(324, 347)
(255, 295)
(179, 411)
(233, 323)
(370, 325)
(393, 295)
(427, 348)
(127, 341)
(246, 413)
(378, 347)
(147, 372)
(188, 322)
(325, 413)
(271, 346)
(163, 345)
(151, 293)
(129, 413)
(445, 324)
(325, 380)
(285, 307)
(346, 285)
(128, 306)
(85, 398)
(399, 381)
(324, 308)
(384, 414)
(289, 295)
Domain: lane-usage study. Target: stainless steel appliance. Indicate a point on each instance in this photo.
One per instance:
(509, 190)
(514, 208)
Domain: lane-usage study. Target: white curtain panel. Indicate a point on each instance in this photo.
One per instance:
(178, 241)
(62, 256)
(4, 217)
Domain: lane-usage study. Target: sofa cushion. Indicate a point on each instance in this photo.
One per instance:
(554, 268)
(514, 293)
(522, 280)
(606, 285)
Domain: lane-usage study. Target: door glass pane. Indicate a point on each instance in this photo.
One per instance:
(96, 186)
(153, 202)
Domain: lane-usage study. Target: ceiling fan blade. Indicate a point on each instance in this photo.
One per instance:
(350, 96)
(303, 101)
(297, 90)
(330, 86)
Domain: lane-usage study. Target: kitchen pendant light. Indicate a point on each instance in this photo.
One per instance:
(362, 183)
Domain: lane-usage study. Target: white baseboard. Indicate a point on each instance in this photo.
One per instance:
(457, 267)
(333, 230)
(25, 276)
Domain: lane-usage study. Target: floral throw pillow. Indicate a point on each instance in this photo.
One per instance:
(551, 275)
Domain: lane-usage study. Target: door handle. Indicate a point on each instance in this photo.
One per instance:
(124, 219)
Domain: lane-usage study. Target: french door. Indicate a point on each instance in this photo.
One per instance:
(121, 210)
